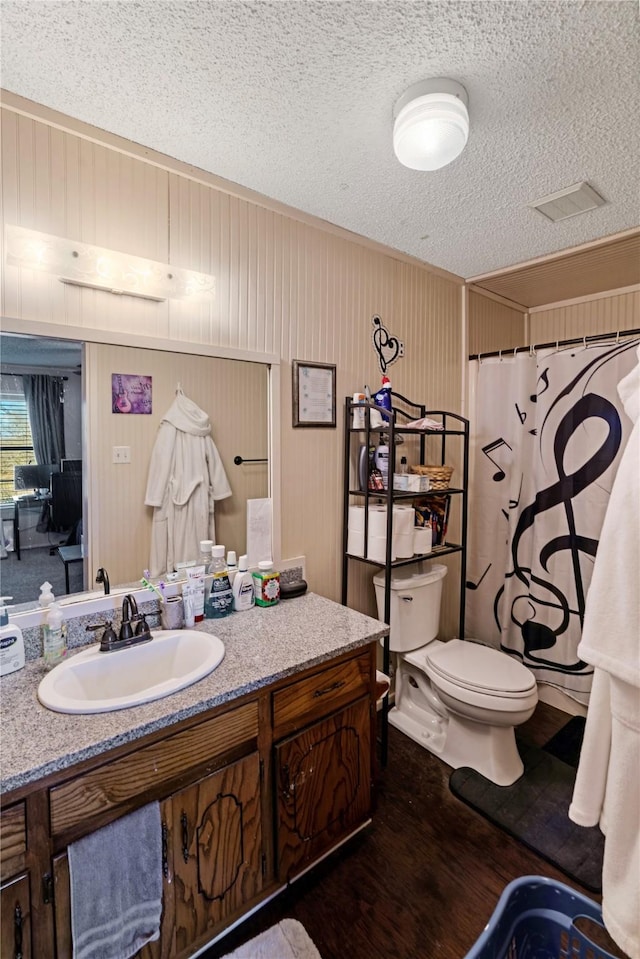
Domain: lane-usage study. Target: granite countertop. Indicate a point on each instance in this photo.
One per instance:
(262, 645)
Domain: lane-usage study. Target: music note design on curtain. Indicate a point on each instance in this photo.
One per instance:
(549, 433)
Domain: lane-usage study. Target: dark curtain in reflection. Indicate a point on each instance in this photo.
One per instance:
(45, 399)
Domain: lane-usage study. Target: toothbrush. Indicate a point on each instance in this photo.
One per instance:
(145, 582)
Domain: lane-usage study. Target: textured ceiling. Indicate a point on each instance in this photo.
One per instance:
(294, 99)
(38, 351)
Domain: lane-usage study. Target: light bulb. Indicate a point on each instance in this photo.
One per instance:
(431, 126)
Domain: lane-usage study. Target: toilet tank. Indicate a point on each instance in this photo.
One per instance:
(415, 604)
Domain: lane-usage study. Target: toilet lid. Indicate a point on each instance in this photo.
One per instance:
(482, 668)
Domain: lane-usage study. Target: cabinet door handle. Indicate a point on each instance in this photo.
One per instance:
(339, 683)
(165, 850)
(185, 836)
(17, 932)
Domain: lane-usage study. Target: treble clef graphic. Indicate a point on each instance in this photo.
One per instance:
(535, 635)
(389, 348)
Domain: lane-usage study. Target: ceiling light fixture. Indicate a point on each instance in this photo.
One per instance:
(431, 124)
(97, 268)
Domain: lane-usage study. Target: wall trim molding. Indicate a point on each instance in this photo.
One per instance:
(503, 300)
(558, 255)
(97, 335)
(605, 295)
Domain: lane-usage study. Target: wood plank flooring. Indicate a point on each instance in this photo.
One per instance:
(421, 881)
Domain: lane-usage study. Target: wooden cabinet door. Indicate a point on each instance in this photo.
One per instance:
(15, 913)
(162, 948)
(217, 850)
(323, 780)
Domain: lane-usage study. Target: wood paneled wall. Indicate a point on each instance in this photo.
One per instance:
(599, 315)
(493, 325)
(284, 284)
(234, 393)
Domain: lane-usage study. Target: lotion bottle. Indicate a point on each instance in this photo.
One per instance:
(243, 594)
(55, 646)
(11, 642)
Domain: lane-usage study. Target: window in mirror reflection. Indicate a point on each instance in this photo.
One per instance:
(41, 465)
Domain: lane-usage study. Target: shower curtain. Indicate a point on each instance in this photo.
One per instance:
(548, 431)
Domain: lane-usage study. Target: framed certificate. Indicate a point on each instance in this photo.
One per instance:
(314, 394)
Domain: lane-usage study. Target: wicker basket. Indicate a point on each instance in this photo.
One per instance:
(439, 475)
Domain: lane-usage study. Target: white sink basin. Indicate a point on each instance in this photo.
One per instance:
(95, 682)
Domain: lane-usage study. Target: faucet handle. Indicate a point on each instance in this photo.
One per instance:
(142, 626)
(108, 637)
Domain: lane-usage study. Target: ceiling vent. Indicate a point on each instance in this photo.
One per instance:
(576, 199)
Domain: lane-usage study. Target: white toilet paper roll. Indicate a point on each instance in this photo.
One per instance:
(356, 517)
(422, 537)
(355, 542)
(378, 549)
(377, 521)
(403, 520)
(403, 545)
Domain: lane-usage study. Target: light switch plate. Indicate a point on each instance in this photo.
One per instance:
(121, 454)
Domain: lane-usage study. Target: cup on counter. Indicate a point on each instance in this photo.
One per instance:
(172, 613)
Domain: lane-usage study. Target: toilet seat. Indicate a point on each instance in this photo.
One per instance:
(479, 669)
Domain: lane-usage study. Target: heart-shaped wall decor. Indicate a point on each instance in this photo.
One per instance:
(388, 348)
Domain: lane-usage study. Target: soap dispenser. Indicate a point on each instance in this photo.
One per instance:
(46, 597)
(11, 642)
(54, 642)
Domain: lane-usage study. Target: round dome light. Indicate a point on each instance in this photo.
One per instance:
(432, 124)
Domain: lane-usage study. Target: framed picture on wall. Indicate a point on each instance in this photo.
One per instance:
(131, 394)
(314, 394)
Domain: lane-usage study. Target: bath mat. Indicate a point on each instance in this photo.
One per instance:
(535, 811)
(287, 940)
(567, 742)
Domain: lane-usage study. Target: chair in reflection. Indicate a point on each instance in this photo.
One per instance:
(66, 503)
(28, 480)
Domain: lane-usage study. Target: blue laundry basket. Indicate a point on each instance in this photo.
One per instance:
(534, 919)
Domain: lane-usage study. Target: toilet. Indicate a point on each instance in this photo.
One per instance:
(459, 699)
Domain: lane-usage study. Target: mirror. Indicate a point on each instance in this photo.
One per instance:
(116, 527)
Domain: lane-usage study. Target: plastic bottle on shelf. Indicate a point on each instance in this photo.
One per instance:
(232, 566)
(206, 545)
(381, 462)
(11, 642)
(205, 559)
(358, 411)
(266, 584)
(383, 397)
(54, 639)
(243, 594)
(46, 597)
(220, 600)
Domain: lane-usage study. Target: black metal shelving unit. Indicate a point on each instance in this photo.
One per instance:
(403, 411)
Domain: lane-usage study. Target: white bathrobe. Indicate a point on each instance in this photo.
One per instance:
(186, 477)
(607, 788)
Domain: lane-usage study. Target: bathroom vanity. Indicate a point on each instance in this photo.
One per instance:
(260, 769)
